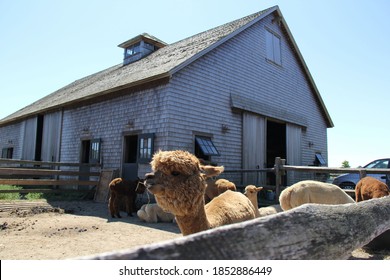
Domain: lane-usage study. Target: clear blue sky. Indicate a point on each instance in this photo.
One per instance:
(47, 44)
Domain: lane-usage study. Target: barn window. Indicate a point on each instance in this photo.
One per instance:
(132, 50)
(273, 50)
(204, 147)
(94, 152)
(7, 152)
(145, 147)
(319, 160)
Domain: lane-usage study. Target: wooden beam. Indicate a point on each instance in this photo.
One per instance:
(44, 182)
(43, 172)
(308, 232)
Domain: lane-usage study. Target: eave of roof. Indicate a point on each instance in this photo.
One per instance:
(162, 63)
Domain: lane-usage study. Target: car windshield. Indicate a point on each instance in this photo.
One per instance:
(381, 163)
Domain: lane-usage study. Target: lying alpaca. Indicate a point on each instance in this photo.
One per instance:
(127, 190)
(216, 187)
(369, 187)
(312, 192)
(152, 213)
(178, 184)
(251, 192)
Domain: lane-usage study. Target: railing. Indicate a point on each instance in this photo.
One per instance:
(39, 173)
(280, 169)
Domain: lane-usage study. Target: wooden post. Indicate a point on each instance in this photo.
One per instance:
(362, 173)
(278, 176)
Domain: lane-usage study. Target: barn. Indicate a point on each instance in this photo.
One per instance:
(237, 95)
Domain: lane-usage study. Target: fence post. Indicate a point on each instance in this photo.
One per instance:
(362, 173)
(278, 176)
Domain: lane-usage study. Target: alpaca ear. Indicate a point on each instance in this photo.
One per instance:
(259, 189)
(211, 171)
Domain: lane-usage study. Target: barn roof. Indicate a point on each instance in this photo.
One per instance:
(163, 63)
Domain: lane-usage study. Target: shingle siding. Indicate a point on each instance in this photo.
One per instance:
(201, 93)
(197, 100)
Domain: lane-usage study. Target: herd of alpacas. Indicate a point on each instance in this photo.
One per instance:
(186, 193)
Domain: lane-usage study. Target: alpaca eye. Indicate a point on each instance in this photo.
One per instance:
(175, 173)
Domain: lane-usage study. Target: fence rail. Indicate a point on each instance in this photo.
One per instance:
(39, 173)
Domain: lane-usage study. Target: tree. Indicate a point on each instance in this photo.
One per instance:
(345, 164)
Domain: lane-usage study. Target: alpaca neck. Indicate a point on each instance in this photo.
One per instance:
(254, 202)
(194, 222)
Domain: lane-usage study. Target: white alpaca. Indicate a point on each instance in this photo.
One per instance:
(312, 192)
(152, 213)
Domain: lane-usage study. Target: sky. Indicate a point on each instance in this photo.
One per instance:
(48, 44)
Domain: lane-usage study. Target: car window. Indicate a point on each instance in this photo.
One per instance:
(383, 163)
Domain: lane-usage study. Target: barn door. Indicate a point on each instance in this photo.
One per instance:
(29, 139)
(294, 157)
(253, 148)
(51, 137)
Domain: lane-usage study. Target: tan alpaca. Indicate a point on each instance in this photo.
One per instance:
(312, 192)
(251, 192)
(178, 184)
(216, 187)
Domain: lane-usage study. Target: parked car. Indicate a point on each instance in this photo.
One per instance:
(349, 180)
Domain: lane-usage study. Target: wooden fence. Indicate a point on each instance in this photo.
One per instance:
(60, 176)
(280, 169)
(311, 232)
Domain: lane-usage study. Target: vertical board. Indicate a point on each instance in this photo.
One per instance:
(294, 148)
(253, 148)
(51, 136)
(29, 139)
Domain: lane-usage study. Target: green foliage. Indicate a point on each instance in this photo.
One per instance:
(9, 196)
(345, 164)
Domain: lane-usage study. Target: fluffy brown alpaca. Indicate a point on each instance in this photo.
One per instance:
(124, 190)
(178, 184)
(216, 187)
(369, 187)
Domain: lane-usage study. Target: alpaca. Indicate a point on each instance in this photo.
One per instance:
(127, 190)
(178, 184)
(216, 187)
(312, 192)
(251, 192)
(369, 187)
(152, 213)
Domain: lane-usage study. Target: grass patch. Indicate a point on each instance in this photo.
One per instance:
(9, 196)
(65, 196)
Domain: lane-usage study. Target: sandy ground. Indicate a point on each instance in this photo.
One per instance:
(37, 231)
(71, 230)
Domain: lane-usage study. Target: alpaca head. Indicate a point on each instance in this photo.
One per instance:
(178, 181)
(251, 191)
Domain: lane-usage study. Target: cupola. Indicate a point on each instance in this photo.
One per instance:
(140, 47)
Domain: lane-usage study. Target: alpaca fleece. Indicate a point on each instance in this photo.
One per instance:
(369, 187)
(312, 192)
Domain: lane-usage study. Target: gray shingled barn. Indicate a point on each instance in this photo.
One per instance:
(237, 95)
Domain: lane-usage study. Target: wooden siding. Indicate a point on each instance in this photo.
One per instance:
(200, 95)
(109, 120)
(10, 137)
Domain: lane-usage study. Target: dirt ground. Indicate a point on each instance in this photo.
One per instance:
(62, 230)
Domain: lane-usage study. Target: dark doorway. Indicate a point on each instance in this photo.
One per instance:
(276, 147)
(38, 145)
(85, 150)
(130, 157)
